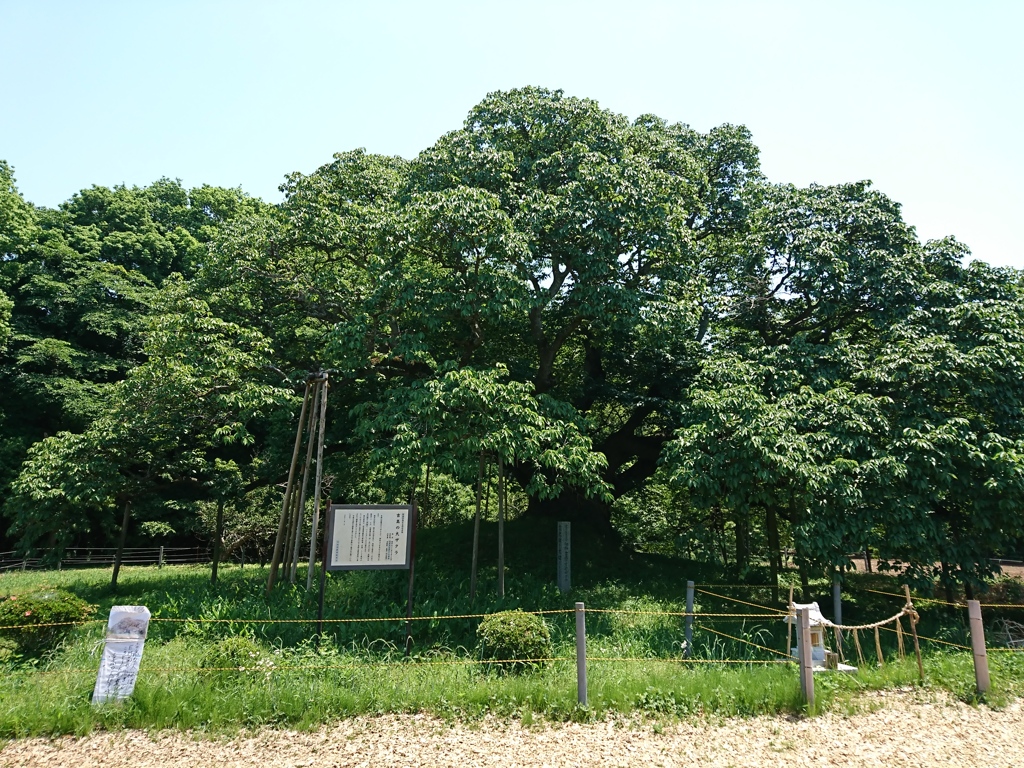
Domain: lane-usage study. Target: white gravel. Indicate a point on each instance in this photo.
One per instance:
(894, 729)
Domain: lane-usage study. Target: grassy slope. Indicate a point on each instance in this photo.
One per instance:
(364, 672)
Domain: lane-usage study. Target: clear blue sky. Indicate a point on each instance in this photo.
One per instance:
(924, 98)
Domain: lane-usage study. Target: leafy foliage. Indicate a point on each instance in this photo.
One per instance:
(520, 639)
(41, 607)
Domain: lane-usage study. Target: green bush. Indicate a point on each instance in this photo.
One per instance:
(521, 639)
(33, 611)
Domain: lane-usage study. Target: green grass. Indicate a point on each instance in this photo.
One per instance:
(359, 667)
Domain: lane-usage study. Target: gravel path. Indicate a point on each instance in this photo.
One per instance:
(901, 729)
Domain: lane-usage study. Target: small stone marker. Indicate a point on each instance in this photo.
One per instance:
(122, 653)
(564, 558)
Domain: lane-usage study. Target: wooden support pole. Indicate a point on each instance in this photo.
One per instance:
(581, 655)
(981, 677)
(688, 631)
(789, 625)
(300, 510)
(878, 648)
(160, 562)
(913, 631)
(314, 528)
(282, 524)
(803, 649)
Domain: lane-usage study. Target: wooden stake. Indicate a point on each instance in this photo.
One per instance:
(803, 643)
(789, 625)
(319, 482)
(913, 630)
(282, 522)
(981, 677)
(878, 648)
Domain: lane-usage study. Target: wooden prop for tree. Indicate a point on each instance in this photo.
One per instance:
(319, 482)
(300, 508)
(312, 421)
(282, 525)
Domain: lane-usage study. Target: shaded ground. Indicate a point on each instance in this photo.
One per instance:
(906, 728)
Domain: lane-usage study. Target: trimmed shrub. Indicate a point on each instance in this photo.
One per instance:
(32, 611)
(521, 639)
(237, 652)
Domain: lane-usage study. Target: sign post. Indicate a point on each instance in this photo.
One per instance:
(564, 557)
(361, 537)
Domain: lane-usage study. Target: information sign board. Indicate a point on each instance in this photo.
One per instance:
(368, 537)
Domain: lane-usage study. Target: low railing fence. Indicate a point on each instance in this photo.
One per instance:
(847, 638)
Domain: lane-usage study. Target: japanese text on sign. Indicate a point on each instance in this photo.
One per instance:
(368, 537)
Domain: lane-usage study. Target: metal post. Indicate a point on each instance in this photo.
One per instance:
(581, 655)
(978, 646)
(688, 632)
(160, 562)
(803, 651)
(412, 576)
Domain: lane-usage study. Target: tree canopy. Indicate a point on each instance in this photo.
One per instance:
(648, 332)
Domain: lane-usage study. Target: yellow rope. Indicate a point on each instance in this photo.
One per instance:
(742, 640)
(742, 602)
(935, 640)
(688, 661)
(52, 624)
(684, 613)
(944, 602)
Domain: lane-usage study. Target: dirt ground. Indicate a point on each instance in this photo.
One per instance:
(906, 728)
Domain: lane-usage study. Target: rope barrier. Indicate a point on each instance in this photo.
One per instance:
(850, 627)
(684, 613)
(742, 640)
(52, 624)
(944, 602)
(742, 602)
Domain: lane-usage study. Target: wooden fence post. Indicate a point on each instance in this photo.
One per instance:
(803, 651)
(913, 631)
(160, 560)
(581, 655)
(978, 646)
(837, 605)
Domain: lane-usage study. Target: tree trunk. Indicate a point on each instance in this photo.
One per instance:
(741, 519)
(120, 545)
(771, 524)
(217, 541)
(805, 582)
